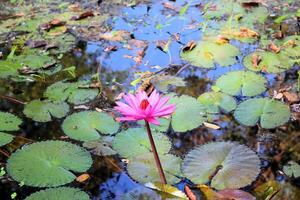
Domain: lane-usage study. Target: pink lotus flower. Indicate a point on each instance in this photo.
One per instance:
(142, 107)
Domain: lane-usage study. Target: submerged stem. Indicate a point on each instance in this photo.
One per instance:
(155, 154)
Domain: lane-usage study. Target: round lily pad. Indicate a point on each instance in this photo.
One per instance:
(43, 111)
(139, 142)
(86, 125)
(143, 169)
(214, 101)
(271, 113)
(9, 122)
(268, 62)
(189, 113)
(5, 138)
(207, 53)
(231, 165)
(48, 163)
(61, 193)
(245, 83)
(72, 92)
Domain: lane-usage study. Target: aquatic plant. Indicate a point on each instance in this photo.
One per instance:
(142, 107)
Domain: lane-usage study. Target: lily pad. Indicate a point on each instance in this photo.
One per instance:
(268, 62)
(231, 165)
(86, 125)
(162, 82)
(189, 113)
(271, 113)
(11, 66)
(43, 111)
(214, 101)
(61, 193)
(292, 169)
(139, 142)
(9, 122)
(72, 92)
(101, 147)
(48, 163)
(5, 138)
(206, 53)
(143, 169)
(245, 83)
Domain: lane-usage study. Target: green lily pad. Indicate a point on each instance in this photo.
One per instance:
(214, 101)
(86, 125)
(143, 169)
(162, 82)
(221, 8)
(43, 111)
(101, 147)
(48, 163)
(238, 165)
(61, 193)
(291, 47)
(207, 53)
(162, 127)
(292, 169)
(11, 66)
(268, 62)
(62, 91)
(245, 83)
(271, 113)
(5, 138)
(9, 122)
(189, 113)
(139, 142)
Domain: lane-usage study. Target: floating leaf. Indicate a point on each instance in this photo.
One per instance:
(43, 111)
(168, 189)
(207, 53)
(86, 125)
(235, 194)
(162, 82)
(164, 124)
(72, 92)
(231, 165)
(143, 169)
(61, 193)
(189, 113)
(5, 138)
(9, 122)
(292, 169)
(222, 8)
(271, 113)
(48, 164)
(268, 62)
(245, 83)
(11, 67)
(101, 147)
(214, 101)
(139, 142)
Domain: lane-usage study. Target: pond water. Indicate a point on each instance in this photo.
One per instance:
(111, 48)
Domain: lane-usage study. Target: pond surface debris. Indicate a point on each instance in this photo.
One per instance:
(231, 67)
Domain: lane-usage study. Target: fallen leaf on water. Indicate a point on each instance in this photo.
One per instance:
(166, 189)
(117, 36)
(53, 23)
(274, 48)
(278, 95)
(83, 15)
(222, 40)
(82, 178)
(256, 59)
(35, 43)
(212, 126)
(291, 97)
(190, 46)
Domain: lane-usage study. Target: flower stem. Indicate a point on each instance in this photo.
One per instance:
(155, 154)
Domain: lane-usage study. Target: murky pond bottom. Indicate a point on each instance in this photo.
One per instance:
(150, 36)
